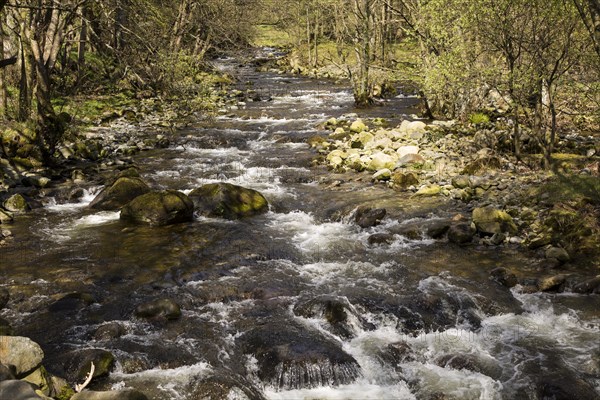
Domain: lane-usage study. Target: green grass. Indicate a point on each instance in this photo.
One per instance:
(572, 188)
(271, 36)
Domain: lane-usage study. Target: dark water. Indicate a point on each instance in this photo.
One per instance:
(294, 303)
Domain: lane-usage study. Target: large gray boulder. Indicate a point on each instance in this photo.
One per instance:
(22, 352)
(228, 201)
(159, 208)
(121, 192)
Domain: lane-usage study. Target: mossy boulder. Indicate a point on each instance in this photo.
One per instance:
(159, 208)
(121, 192)
(489, 221)
(228, 201)
(16, 203)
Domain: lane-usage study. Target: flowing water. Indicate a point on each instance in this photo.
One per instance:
(295, 303)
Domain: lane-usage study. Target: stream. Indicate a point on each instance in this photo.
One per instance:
(295, 303)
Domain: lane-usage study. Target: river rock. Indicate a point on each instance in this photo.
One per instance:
(360, 140)
(17, 390)
(471, 362)
(428, 191)
(489, 220)
(111, 330)
(76, 365)
(410, 159)
(225, 387)
(358, 126)
(42, 381)
(228, 201)
(460, 233)
(367, 217)
(166, 308)
(397, 353)
(17, 204)
(552, 284)
(380, 238)
(159, 208)
(380, 161)
(121, 192)
(7, 373)
(294, 356)
(6, 217)
(4, 297)
(557, 253)
(461, 181)
(5, 328)
(403, 180)
(557, 386)
(438, 228)
(22, 352)
(504, 277)
(588, 286)
(336, 310)
(382, 175)
(126, 394)
(406, 150)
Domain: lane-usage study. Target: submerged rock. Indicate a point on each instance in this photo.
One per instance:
(292, 356)
(159, 208)
(228, 201)
(225, 387)
(159, 308)
(76, 365)
(367, 217)
(121, 192)
(557, 253)
(460, 233)
(4, 297)
(487, 366)
(588, 286)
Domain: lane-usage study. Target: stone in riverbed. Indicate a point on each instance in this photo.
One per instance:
(124, 190)
(380, 238)
(76, 365)
(366, 217)
(460, 233)
(406, 150)
(431, 190)
(461, 181)
(228, 201)
(358, 126)
(159, 208)
(17, 204)
(504, 277)
(380, 161)
(489, 220)
(382, 175)
(588, 286)
(22, 352)
(166, 308)
(285, 350)
(558, 253)
(4, 297)
(6, 217)
(17, 390)
(225, 387)
(7, 373)
(552, 284)
(403, 180)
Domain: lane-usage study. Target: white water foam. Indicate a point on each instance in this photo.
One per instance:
(84, 201)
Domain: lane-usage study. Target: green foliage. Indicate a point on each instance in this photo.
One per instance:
(479, 118)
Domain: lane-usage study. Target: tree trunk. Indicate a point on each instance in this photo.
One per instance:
(82, 42)
(24, 84)
(362, 85)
